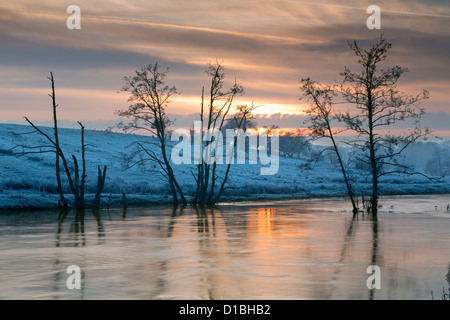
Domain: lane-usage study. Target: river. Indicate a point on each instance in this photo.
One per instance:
(296, 249)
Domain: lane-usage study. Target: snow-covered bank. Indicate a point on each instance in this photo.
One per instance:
(29, 181)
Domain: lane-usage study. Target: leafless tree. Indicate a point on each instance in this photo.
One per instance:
(295, 144)
(321, 119)
(78, 181)
(439, 163)
(76, 187)
(246, 111)
(240, 118)
(52, 147)
(378, 106)
(150, 96)
(212, 117)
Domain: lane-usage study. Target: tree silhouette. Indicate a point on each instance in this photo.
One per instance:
(321, 118)
(378, 107)
(212, 119)
(150, 96)
(78, 180)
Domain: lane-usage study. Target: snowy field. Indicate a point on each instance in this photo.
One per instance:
(29, 181)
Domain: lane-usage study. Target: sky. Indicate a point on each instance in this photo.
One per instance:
(266, 45)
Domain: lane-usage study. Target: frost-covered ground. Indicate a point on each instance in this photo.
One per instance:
(29, 181)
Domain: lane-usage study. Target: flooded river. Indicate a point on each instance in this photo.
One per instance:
(299, 249)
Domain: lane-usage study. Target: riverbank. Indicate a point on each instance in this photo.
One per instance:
(29, 200)
(28, 181)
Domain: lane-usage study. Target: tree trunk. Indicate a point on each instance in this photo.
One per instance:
(100, 184)
(373, 159)
(83, 164)
(63, 205)
(346, 180)
(344, 172)
(79, 199)
(174, 186)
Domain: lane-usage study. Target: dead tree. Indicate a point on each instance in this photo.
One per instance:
(79, 182)
(63, 202)
(76, 183)
(55, 145)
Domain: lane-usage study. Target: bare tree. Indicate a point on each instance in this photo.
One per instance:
(212, 118)
(321, 117)
(439, 162)
(295, 144)
(378, 106)
(246, 111)
(150, 96)
(75, 183)
(63, 202)
(53, 147)
(240, 118)
(78, 181)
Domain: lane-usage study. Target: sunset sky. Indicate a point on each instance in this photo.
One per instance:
(268, 46)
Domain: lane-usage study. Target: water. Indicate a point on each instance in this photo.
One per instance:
(302, 249)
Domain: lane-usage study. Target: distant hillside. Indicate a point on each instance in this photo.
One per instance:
(29, 180)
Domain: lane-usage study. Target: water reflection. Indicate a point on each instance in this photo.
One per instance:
(264, 221)
(100, 227)
(76, 238)
(77, 235)
(374, 220)
(175, 213)
(350, 236)
(287, 250)
(210, 239)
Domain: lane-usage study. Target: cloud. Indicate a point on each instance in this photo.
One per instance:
(436, 121)
(266, 45)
